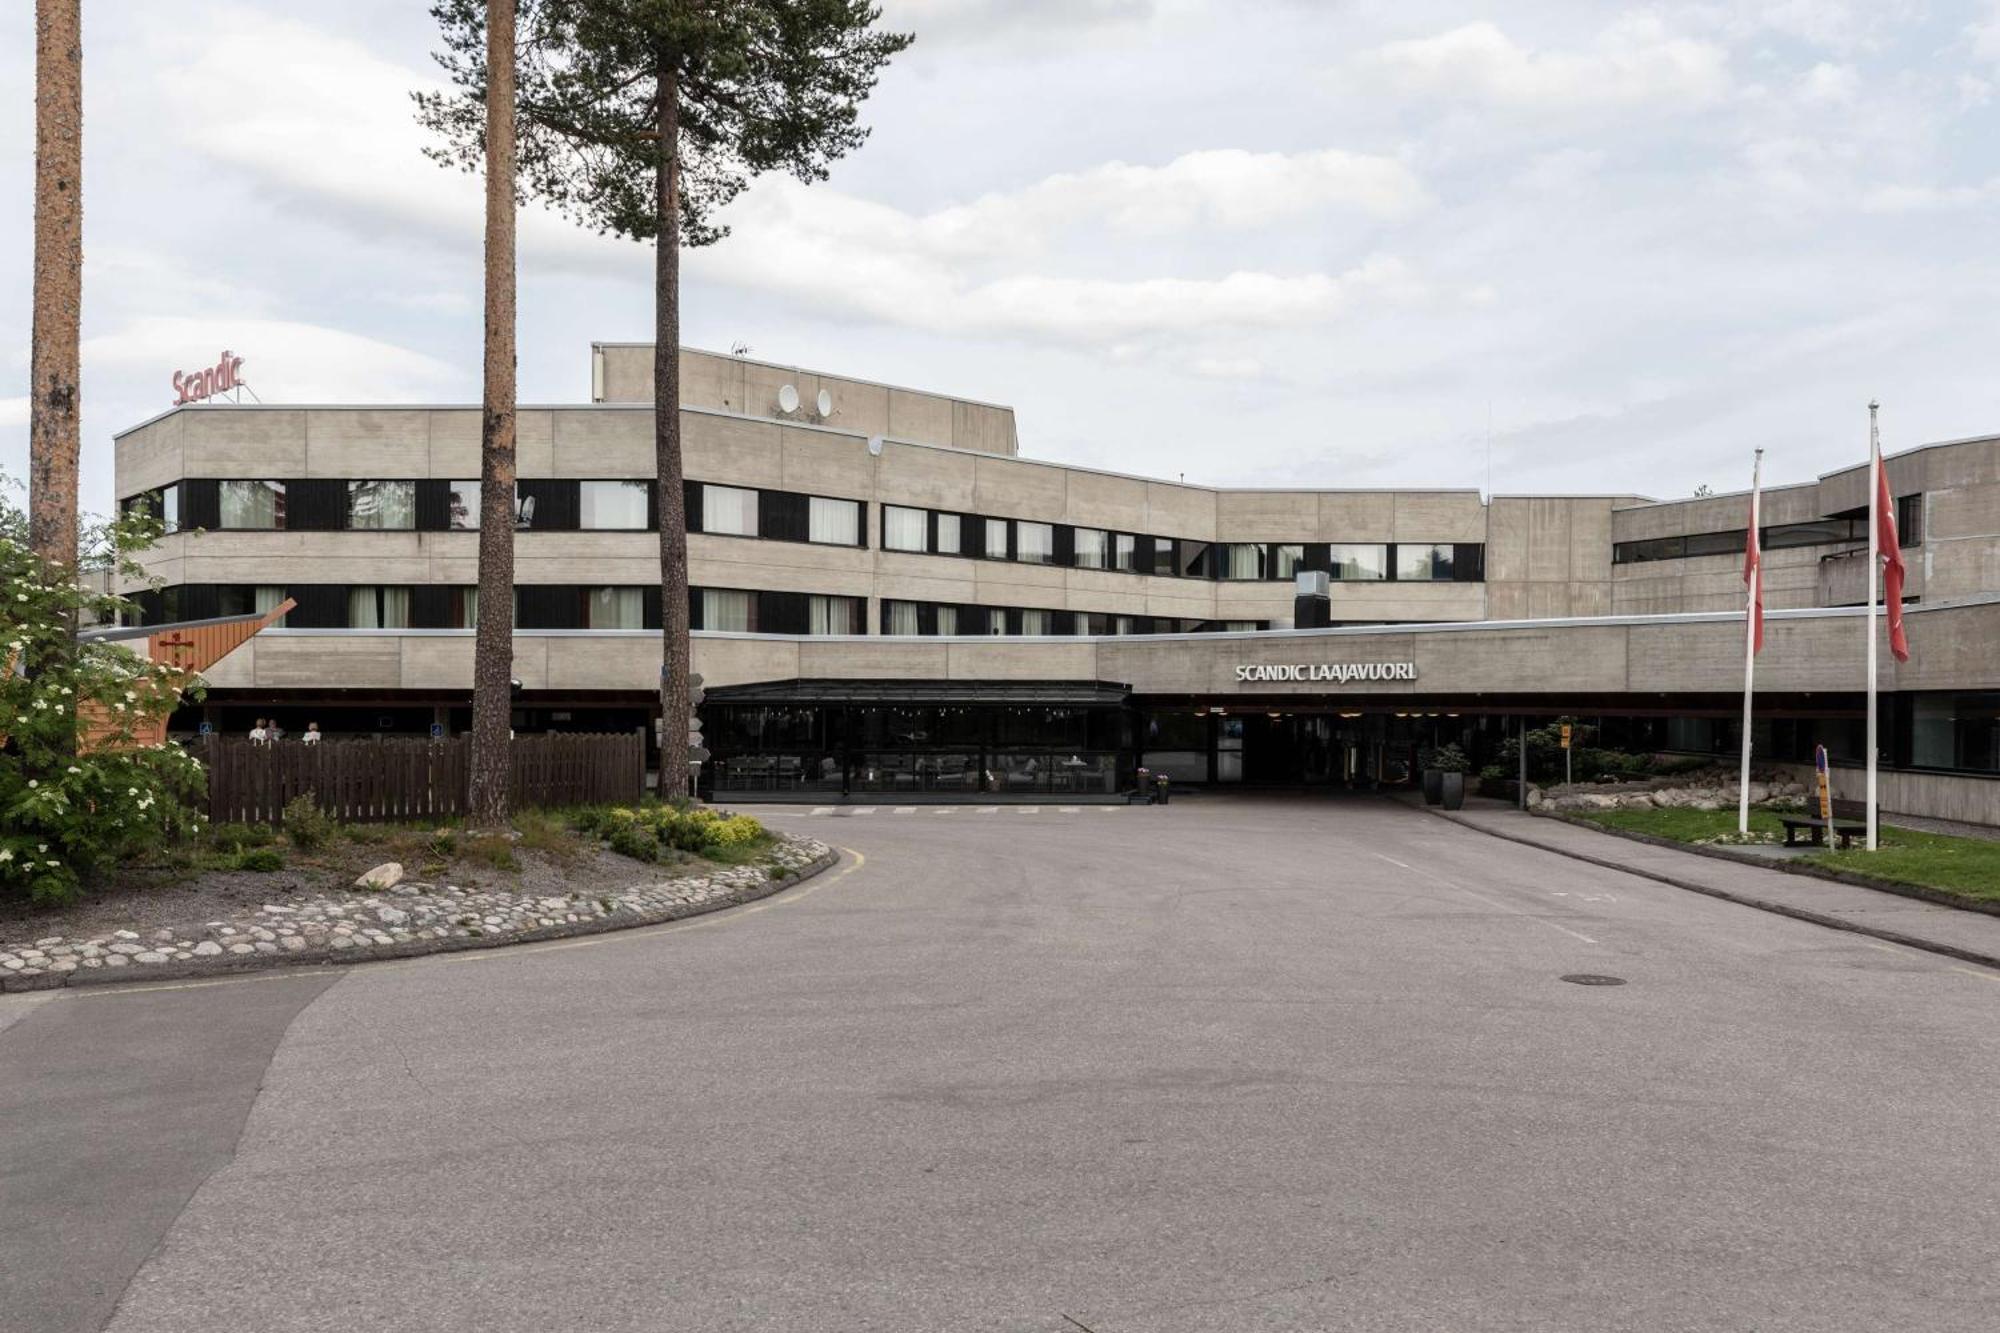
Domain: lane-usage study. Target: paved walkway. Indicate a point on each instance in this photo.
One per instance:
(1973, 936)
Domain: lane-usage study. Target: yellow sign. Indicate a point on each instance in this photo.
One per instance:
(1565, 735)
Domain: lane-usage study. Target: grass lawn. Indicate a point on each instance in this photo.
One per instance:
(1967, 868)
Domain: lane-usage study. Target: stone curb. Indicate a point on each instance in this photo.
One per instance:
(1742, 900)
(1790, 867)
(231, 965)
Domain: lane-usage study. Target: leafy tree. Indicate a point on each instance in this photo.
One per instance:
(642, 118)
(64, 814)
(493, 651)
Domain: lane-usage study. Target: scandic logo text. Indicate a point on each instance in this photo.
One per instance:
(1344, 672)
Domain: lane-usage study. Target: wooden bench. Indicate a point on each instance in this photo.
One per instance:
(1847, 824)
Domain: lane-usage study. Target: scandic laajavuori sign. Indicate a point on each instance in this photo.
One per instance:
(1343, 672)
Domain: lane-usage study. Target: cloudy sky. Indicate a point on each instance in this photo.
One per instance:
(1303, 242)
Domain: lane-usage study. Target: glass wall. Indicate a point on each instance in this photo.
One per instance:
(612, 506)
(970, 750)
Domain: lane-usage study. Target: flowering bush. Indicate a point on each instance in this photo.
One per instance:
(63, 813)
(640, 832)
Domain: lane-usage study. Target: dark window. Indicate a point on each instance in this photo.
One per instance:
(378, 506)
(1909, 520)
(546, 505)
(1731, 542)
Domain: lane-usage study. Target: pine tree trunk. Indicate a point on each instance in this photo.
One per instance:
(53, 430)
(493, 649)
(675, 652)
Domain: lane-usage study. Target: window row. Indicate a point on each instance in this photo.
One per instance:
(1024, 541)
(1841, 530)
(536, 606)
(937, 618)
(540, 505)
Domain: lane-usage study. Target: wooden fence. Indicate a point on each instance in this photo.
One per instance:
(374, 780)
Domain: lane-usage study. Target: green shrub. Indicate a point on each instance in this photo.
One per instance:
(307, 826)
(81, 793)
(492, 849)
(261, 859)
(636, 841)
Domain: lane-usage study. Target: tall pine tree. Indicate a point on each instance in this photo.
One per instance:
(642, 118)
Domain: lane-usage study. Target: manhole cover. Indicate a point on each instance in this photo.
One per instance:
(1592, 979)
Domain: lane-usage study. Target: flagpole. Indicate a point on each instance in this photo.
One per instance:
(1874, 572)
(1756, 582)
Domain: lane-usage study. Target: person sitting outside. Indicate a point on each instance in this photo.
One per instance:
(260, 734)
(311, 736)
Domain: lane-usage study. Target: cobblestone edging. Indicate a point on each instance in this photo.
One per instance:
(407, 921)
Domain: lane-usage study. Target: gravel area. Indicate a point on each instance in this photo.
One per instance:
(402, 920)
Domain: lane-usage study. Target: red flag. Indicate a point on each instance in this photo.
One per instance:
(1753, 577)
(1892, 561)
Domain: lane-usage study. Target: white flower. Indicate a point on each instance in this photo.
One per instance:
(6, 853)
(33, 783)
(131, 791)
(74, 769)
(41, 847)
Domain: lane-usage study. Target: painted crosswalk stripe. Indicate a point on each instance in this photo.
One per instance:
(1068, 809)
(942, 810)
(987, 810)
(822, 809)
(906, 810)
(864, 809)
(1031, 809)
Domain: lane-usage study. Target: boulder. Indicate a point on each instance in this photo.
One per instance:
(385, 876)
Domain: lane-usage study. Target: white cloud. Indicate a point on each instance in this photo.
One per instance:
(1827, 83)
(14, 411)
(326, 123)
(1229, 368)
(1633, 63)
(284, 361)
(1929, 198)
(1985, 34)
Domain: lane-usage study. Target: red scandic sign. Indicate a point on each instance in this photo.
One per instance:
(191, 386)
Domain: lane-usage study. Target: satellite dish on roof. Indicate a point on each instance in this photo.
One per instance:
(788, 398)
(824, 403)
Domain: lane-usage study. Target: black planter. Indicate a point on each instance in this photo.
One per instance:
(1453, 792)
(1433, 786)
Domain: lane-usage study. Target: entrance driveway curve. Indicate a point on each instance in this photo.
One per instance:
(1230, 1065)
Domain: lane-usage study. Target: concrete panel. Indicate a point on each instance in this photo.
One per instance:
(1022, 659)
(1173, 510)
(628, 374)
(1965, 568)
(857, 406)
(895, 659)
(823, 463)
(989, 430)
(1951, 648)
(1357, 516)
(1969, 464)
(761, 384)
(1507, 524)
(1099, 501)
(243, 442)
(1963, 511)
(1548, 539)
(369, 442)
(1165, 665)
(603, 661)
(920, 416)
(1548, 600)
(1507, 601)
(305, 557)
(439, 662)
(732, 661)
(1555, 660)
(454, 444)
(1010, 489)
(1590, 540)
(1439, 516)
(150, 456)
(291, 662)
(604, 442)
(927, 478)
(1273, 516)
(707, 380)
(733, 450)
(1406, 601)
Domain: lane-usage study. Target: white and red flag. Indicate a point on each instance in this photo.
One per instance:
(1892, 560)
(1753, 564)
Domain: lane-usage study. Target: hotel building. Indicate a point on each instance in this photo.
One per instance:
(889, 600)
